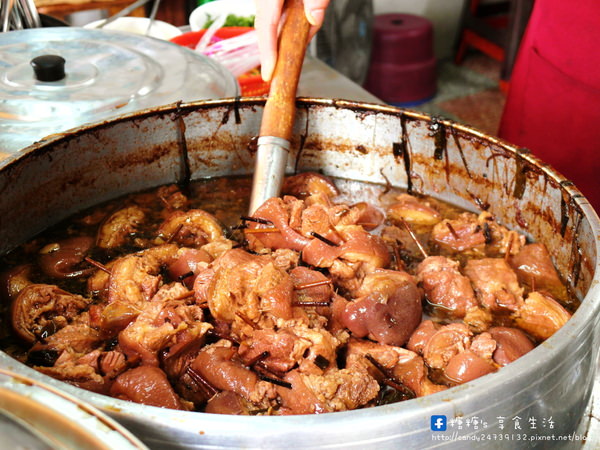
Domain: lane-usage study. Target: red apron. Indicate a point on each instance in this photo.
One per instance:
(553, 104)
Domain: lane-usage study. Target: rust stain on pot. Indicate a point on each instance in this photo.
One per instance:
(252, 146)
(424, 162)
(497, 153)
(142, 158)
(575, 258)
(302, 143)
(184, 175)
(362, 115)
(210, 151)
(236, 112)
(520, 176)
(484, 206)
(401, 152)
(477, 143)
(359, 111)
(546, 215)
(565, 211)
(460, 150)
(438, 131)
(519, 218)
(502, 180)
(320, 146)
(225, 117)
(300, 150)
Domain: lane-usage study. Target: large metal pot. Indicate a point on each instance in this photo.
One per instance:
(552, 384)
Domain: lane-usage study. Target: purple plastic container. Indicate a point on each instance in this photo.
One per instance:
(403, 67)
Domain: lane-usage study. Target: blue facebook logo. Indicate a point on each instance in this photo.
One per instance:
(438, 423)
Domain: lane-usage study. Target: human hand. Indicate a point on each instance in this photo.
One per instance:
(267, 21)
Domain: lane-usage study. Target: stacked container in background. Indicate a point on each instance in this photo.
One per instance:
(402, 70)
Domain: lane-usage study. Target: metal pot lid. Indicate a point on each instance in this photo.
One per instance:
(53, 79)
(37, 416)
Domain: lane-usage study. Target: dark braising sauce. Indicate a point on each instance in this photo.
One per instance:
(339, 295)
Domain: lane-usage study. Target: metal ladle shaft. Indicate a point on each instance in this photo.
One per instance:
(7, 6)
(271, 159)
(280, 109)
(31, 18)
(152, 16)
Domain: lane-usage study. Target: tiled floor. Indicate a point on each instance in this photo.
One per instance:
(468, 93)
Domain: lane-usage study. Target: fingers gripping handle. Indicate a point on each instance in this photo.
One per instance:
(279, 112)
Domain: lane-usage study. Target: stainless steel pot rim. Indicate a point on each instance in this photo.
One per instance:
(365, 107)
(522, 368)
(87, 419)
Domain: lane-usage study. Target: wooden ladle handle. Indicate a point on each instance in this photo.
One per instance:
(280, 109)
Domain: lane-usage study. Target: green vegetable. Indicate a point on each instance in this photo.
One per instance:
(232, 21)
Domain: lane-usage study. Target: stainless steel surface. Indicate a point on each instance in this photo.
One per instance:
(16, 20)
(36, 416)
(590, 423)
(30, 14)
(6, 7)
(372, 143)
(108, 73)
(152, 16)
(16, 433)
(269, 171)
(18, 14)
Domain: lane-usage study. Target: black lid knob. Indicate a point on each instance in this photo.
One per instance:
(48, 67)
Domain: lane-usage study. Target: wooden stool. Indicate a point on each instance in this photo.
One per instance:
(495, 29)
(62, 8)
